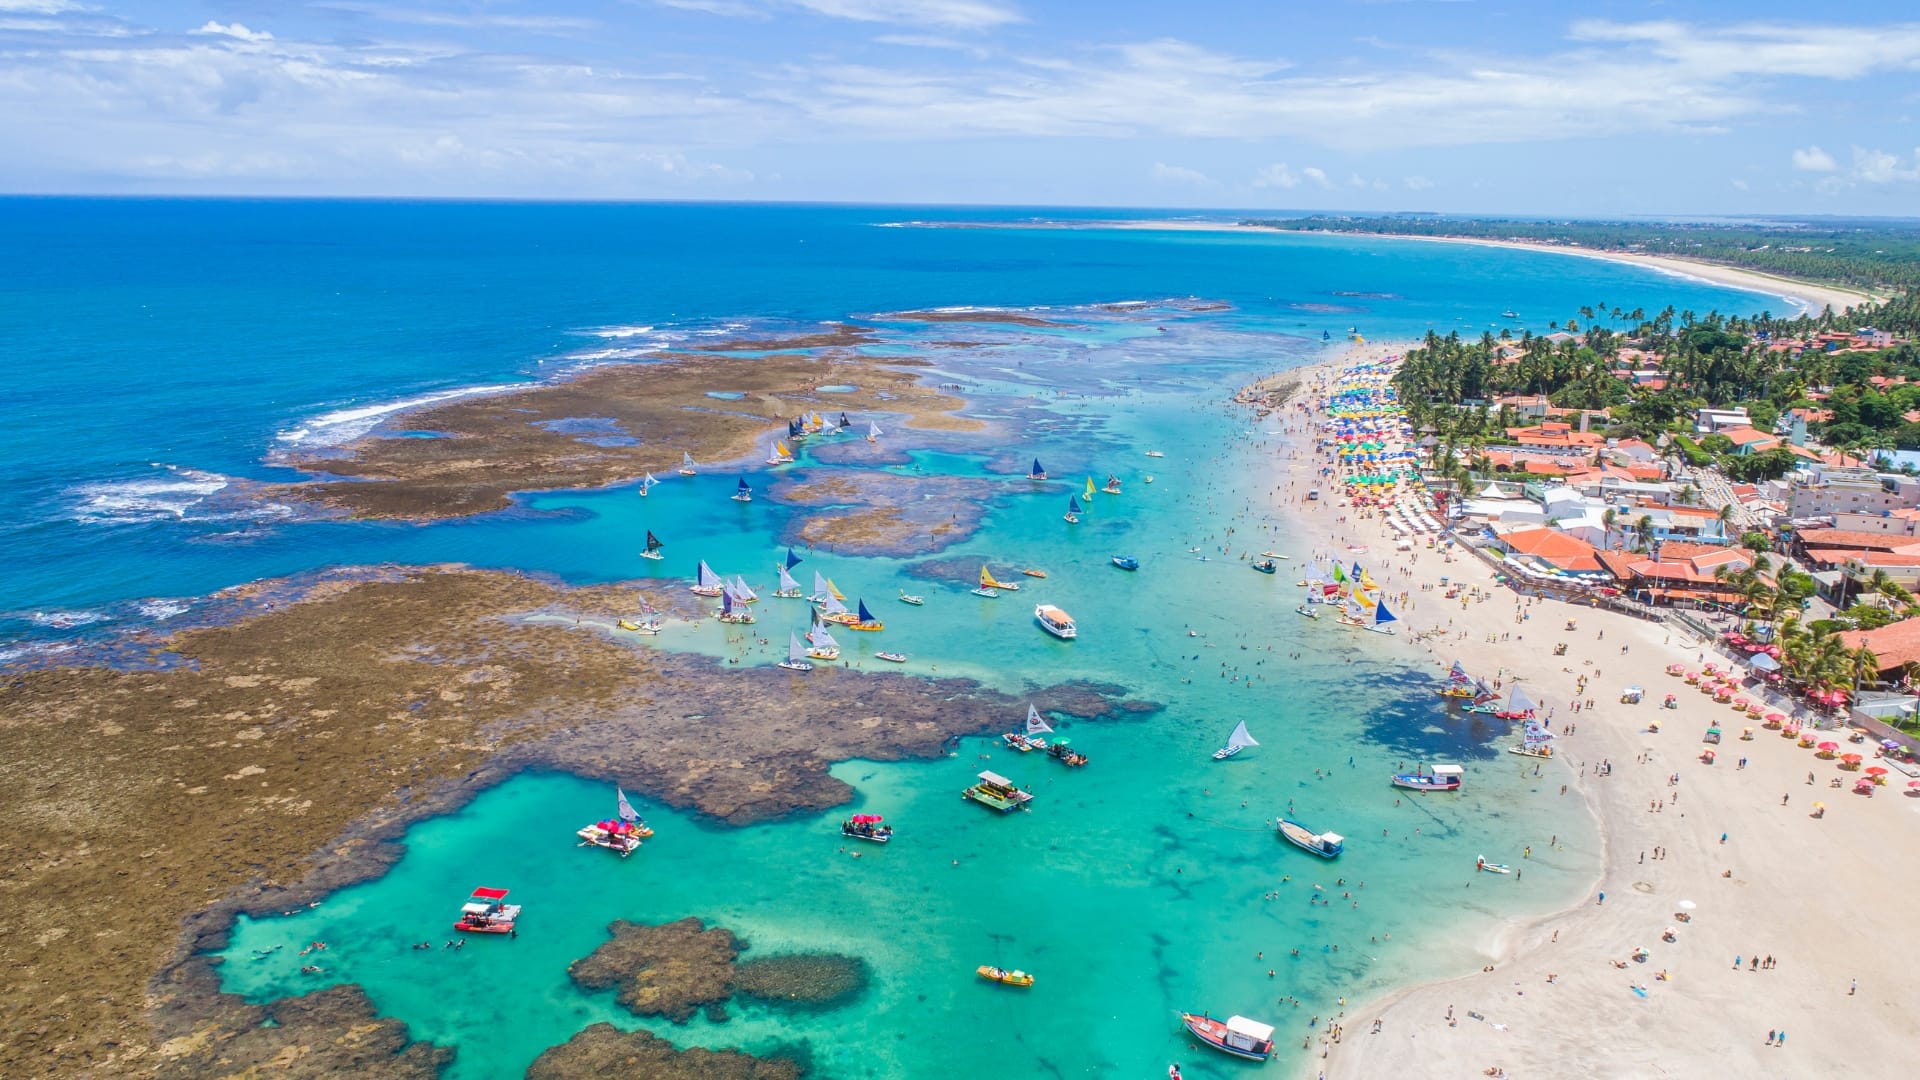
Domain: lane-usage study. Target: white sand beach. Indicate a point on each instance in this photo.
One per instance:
(1828, 899)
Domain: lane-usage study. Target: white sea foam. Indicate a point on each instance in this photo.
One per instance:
(154, 499)
(616, 332)
(162, 609)
(26, 650)
(345, 425)
(66, 620)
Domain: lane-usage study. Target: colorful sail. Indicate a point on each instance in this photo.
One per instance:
(865, 615)
(653, 542)
(1073, 504)
(1036, 725)
(1036, 473)
(1089, 489)
(627, 812)
(1381, 616)
(1458, 674)
(706, 578)
(1339, 575)
(780, 448)
(833, 592)
(743, 489)
(792, 559)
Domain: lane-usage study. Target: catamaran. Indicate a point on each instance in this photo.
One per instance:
(867, 827)
(654, 549)
(686, 463)
(732, 609)
(1236, 742)
(1029, 739)
(743, 493)
(873, 432)
(987, 582)
(796, 655)
(646, 484)
(487, 912)
(789, 588)
(1036, 474)
(1073, 510)
(1326, 845)
(621, 834)
(823, 645)
(1056, 622)
(865, 621)
(706, 582)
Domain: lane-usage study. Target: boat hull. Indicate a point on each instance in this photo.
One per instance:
(1004, 978)
(1424, 783)
(796, 665)
(1306, 840)
(990, 594)
(1214, 1034)
(891, 657)
(654, 555)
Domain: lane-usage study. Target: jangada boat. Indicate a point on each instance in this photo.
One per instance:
(796, 655)
(655, 549)
(743, 493)
(706, 582)
(867, 827)
(833, 611)
(686, 463)
(1056, 622)
(1037, 473)
(990, 594)
(732, 609)
(987, 582)
(647, 483)
(789, 588)
(1030, 739)
(865, 621)
(1113, 485)
(1236, 1035)
(1326, 845)
(1236, 742)
(1442, 778)
(487, 912)
(998, 793)
(1003, 976)
(622, 834)
(1072, 516)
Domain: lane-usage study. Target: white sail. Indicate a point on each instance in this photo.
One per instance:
(821, 638)
(787, 584)
(1520, 702)
(647, 482)
(794, 651)
(822, 592)
(873, 430)
(834, 606)
(627, 812)
(707, 578)
(1035, 725)
(741, 590)
(1240, 738)
(686, 459)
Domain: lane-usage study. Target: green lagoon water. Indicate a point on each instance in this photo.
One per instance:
(1147, 883)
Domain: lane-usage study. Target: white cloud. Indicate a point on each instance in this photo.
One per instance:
(1738, 184)
(1318, 176)
(40, 7)
(1880, 167)
(1417, 183)
(1276, 176)
(1814, 159)
(237, 31)
(1180, 174)
(955, 14)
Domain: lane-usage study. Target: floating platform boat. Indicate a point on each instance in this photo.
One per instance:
(1442, 778)
(1056, 622)
(1326, 845)
(998, 793)
(1003, 976)
(1236, 1035)
(867, 827)
(487, 912)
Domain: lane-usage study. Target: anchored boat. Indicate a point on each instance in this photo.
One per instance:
(1056, 622)
(1236, 742)
(1126, 562)
(1030, 739)
(706, 582)
(891, 657)
(867, 827)
(1236, 1035)
(654, 550)
(1326, 845)
(908, 598)
(621, 834)
(824, 647)
(1003, 976)
(865, 620)
(1059, 751)
(1442, 778)
(487, 912)
(1266, 566)
(998, 793)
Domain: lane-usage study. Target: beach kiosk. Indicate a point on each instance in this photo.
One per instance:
(1713, 734)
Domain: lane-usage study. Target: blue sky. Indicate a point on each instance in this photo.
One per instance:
(1593, 108)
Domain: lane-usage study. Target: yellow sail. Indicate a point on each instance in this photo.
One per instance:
(1089, 487)
(780, 448)
(986, 579)
(836, 593)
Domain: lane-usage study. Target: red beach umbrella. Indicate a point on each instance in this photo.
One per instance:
(1875, 770)
(1830, 747)
(1775, 718)
(1851, 759)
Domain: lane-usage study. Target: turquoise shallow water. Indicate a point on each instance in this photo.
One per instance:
(1135, 888)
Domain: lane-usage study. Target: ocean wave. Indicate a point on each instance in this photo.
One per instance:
(162, 610)
(179, 494)
(66, 620)
(617, 332)
(33, 649)
(346, 425)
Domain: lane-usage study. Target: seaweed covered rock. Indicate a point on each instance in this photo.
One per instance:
(668, 970)
(603, 1051)
(813, 980)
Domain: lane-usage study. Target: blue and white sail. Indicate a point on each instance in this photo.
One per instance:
(627, 812)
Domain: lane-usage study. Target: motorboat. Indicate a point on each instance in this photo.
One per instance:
(1126, 562)
(1056, 622)
(867, 827)
(908, 598)
(1236, 1035)
(1004, 976)
(1441, 778)
(487, 912)
(1326, 845)
(891, 657)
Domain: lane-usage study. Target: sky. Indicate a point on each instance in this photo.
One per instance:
(1597, 108)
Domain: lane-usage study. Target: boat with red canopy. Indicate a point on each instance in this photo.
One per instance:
(487, 912)
(867, 827)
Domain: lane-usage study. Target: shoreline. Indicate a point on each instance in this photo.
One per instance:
(1808, 296)
(1770, 899)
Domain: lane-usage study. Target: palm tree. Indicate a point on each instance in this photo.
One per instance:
(1725, 515)
(1607, 518)
(1645, 527)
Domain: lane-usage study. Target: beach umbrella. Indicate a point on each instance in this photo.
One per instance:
(1875, 770)
(1852, 759)
(1774, 717)
(1913, 783)
(1830, 747)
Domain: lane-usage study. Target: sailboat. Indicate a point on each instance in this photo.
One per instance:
(1236, 742)
(1072, 516)
(823, 645)
(706, 582)
(834, 611)
(1037, 473)
(796, 654)
(743, 493)
(743, 592)
(873, 432)
(646, 484)
(1113, 485)
(655, 549)
(732, 610)
(779, 454)
(686, 463)
(822, 588)
(1029, 739)
(789, 588)
(987, 582)
(1382, 618)
(622, 835)
(866, 619)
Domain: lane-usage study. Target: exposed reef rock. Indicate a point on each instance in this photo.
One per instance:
(604, 1052)
(670, 970)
